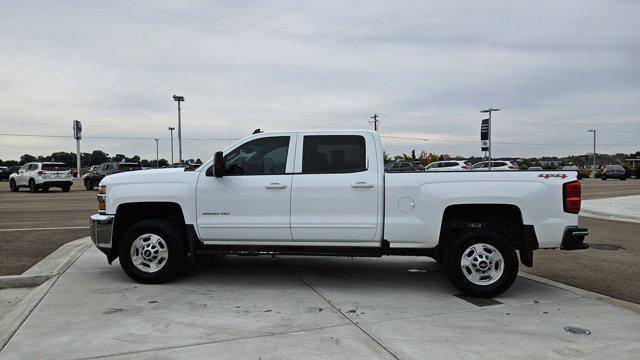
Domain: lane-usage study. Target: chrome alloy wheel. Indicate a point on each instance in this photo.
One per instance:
(482, 264)
(149, 253)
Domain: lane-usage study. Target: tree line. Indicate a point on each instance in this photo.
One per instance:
(547, 162)
(96, 157)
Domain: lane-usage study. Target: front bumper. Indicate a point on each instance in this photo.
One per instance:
(573, 238)
(101, 228)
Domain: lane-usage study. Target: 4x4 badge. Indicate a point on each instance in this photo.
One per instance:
(546, 176)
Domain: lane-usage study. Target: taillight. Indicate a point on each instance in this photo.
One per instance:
(572, 194)
(41, 172)
(464, 167)
(512, 167)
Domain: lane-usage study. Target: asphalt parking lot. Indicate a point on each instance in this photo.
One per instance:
(33, 225)
(598, 189)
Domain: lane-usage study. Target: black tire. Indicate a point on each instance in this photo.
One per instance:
(65, 188)
(45, 188)
(88, 185)
(13, 186)
(167, 231)
(32, 186)
(603, 178)
(455, 252)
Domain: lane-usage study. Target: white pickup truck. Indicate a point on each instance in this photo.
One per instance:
(326, 193)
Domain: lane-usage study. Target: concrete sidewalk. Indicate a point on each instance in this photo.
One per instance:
(295, 308)
(623, 208)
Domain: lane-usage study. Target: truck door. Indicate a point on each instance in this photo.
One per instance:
(252, 201)
(335, 190)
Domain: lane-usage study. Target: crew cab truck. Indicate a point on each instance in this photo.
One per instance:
(326, 193)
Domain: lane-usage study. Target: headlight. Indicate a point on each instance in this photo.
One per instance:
(102, 199)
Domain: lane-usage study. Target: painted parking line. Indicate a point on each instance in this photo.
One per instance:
(47, 228)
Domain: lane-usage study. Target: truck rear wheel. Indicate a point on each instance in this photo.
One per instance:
(481, 264)
(152, 251)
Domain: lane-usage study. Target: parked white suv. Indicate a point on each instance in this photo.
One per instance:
(449, 165)
(42, 176)
(495, 165)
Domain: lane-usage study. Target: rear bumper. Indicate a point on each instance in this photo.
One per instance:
(573, 238)
(614, 176)
(54, 182)
(101, 228)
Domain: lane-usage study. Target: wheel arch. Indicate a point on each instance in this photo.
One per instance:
(127, 214)
(504, 219)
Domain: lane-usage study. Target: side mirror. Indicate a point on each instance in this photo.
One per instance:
(218, 164)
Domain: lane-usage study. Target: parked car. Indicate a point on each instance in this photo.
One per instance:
(535, 168)
(5, 172)
(326, 193)
(614, 172)
(449, 165)
(94, 176)
(403, 166)
(419, 165)
(573, 168)
(495, 165)
(42, 176)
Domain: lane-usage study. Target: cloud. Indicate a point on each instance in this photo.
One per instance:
(556, 68)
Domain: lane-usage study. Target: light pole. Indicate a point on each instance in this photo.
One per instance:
(179, 99)
(593, 171)
(157, 157)
(171, 129)
(489, 110)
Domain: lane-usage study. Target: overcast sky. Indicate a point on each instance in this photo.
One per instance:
(556, 68)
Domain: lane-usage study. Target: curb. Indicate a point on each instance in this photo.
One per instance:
(607, 216)
(584, 293)
(52, 266)
(21, 281)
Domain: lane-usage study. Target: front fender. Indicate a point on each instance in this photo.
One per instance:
(181, 193)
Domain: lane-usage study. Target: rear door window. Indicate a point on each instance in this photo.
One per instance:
(334, 154)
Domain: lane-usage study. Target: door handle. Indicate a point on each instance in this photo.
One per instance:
(275, 186)
(362, 185)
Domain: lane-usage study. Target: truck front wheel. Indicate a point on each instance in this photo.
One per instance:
(152, 251)
(481, 264)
